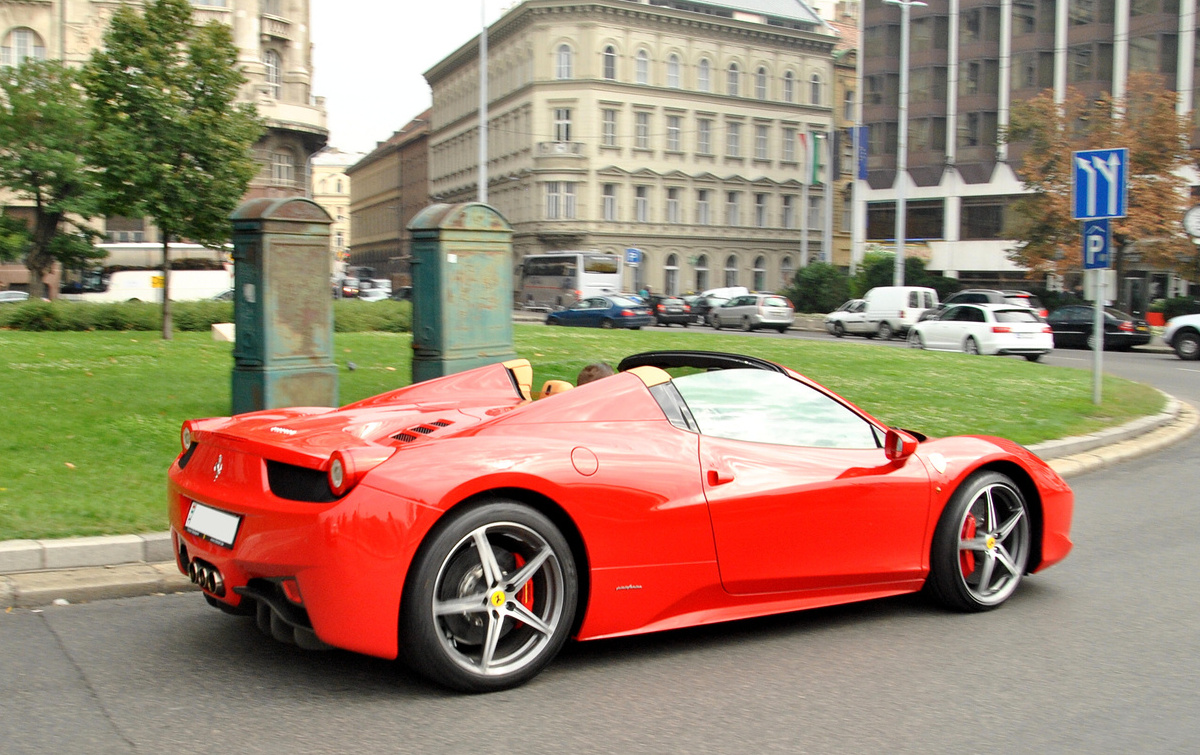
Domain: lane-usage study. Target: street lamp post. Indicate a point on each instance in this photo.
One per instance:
(902, 138)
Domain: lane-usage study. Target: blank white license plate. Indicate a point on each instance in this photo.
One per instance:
(212, 524)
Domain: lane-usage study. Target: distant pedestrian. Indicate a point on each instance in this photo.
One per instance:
(592, 372)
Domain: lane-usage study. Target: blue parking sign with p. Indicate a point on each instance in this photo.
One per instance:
(1095, 244)
(1099, 185)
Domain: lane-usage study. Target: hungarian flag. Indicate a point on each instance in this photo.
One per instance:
(812, 147)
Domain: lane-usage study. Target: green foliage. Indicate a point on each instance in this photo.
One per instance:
(1179, 305)
(878, 269)
(45, 132)
(819, 287)
(351, 316)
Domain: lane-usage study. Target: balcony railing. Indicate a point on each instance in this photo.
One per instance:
(546, 149)
(276, 28)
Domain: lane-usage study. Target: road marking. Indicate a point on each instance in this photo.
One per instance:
(1185, 369)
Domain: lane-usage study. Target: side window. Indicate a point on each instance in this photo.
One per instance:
(768, 407)
(929, 300)
(977, 315)
(914, 298)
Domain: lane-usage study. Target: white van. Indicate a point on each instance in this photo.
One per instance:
(892, 310)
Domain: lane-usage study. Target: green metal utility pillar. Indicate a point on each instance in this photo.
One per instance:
(462, 289)
(282, 306)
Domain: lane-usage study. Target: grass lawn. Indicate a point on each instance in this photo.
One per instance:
(90, 421)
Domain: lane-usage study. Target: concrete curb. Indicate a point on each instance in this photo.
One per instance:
(42, 572)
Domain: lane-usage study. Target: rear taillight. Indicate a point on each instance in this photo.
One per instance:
(661, 308)
(627, 313)
(1047, 329)
(1126, 326)
(1044, 313)
(790, 305)
(1001, 329)
(687, 308)
(186, 436)
(341, 474)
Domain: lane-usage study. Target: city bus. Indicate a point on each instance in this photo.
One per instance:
(555, 280)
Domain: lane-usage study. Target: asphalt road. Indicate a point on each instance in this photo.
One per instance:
(1099, 654)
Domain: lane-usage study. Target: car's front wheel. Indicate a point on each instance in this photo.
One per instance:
(981, 545)
(716, 322)
(971, 347)
(490, 600)
(915, 341)
(839, 330)
(1187, 345)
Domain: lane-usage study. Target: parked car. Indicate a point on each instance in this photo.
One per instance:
(670, 310)
(603, 312)
(1183, 335)
(711, 298)
(892, 310)
(1072, 327)
(985, 329)
(994, 296)
(226, 295)
(13, 296)
(753, 311)
(374, 294)
(472, 531)
(851, 317)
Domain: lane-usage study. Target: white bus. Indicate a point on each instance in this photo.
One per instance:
(147, 285)
(555, 280)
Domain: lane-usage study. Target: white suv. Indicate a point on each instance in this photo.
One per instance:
(1183, 335)
(754, 311)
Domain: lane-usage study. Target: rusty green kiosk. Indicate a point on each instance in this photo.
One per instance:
(283, 309)
(462, 289)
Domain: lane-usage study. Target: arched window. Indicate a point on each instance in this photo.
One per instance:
(786, 271)
(562, 69)
(274, 73)
(610, 63)
(643, 67)
(22, 44)
(815, 84)
(671, 277)
(733, 80)
(731, 270)
(704, 76)
(760, 83)
(760, 273)
(789, 87)
(673, 71)
(701, 273)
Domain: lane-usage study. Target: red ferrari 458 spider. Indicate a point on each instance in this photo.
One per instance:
(471, 530)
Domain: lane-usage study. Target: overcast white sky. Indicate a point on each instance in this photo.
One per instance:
(369, 58)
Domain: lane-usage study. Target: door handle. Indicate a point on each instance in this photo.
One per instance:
(719, 476)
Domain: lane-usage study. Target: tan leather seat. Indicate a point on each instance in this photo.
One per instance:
(553, 387)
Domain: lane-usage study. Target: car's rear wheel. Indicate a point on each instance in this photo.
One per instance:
(607, 324)
(782, 329)
(981, 545)
(915, 341)
(1187, 345)
(885, 331)
(490, 600)
(746, 326)
(1032, 357)
(716, 322)
(971, 347)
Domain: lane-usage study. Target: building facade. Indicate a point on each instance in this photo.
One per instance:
(669, 127)
(388, 187)
(331, 189)
(970, 60)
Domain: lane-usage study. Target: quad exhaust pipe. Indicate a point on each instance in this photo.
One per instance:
(206, 576)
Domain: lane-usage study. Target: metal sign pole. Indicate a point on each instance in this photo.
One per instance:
(1097, 334)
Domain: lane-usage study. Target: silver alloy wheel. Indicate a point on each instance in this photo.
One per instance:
(993, 544)
(915, 341)
(498, 599)
(1187, 345)
(970, 347)
(885, 331)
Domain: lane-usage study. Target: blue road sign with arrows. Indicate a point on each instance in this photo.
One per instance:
(1099, 185)
(1096, 244)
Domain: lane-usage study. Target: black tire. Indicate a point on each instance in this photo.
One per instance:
(746, 326)
(970, 347)
(524, 622)
(715, 322)
(915, 341)
(839, 330)
(981, 546)
(607, 324)
(1187, 345)
(685, 324)
(885, 331)
(1032, 357)
(782, 329)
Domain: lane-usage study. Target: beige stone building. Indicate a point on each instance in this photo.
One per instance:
(672, 128)
(330, 188)
(388, 188)
(275, 53)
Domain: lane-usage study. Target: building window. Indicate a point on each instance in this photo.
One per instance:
(704, 136)
(760, 83)
(562, 124)
(848, 106)
(814, 214)
(704, 76)
(733, 210)
(789, 87)
(760, 210)
(641, 204)
(760, 273)
(283, 169)
(731, 270)
(789, 210)
(643, 67)
(815, 87)
(733, 141)
(671, 278)
(608, 132)
(560, 200)
(789, 144)
(563, 67)
(269, 7)
(733, 80)
(20, 45)
(610, 202)
(673, 215)
(673, 131)
(673, 71)
(847, 212)
(786, 271)
(701, 268)
(760, 143)
(641, 132)
(274, 73)
(610, 63)
(703, 210)
(339, 186)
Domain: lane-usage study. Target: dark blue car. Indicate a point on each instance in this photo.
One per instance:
(603, 312)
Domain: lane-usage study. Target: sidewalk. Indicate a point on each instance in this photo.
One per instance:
(72, 570)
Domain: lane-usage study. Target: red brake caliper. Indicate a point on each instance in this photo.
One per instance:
(966, 558)
(525, 596)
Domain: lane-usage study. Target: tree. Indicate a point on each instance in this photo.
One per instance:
(1157, 138)
(819, 287)
(45, 126)
(171, 143)
(877, 269)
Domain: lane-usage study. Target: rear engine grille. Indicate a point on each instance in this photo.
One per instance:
(415, 432)
(298, 483)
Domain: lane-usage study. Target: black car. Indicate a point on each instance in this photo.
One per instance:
(1072, 326)
(670, 310)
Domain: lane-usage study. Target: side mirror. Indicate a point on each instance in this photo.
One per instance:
(898, 445)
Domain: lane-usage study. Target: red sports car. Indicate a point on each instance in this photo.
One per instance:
(472, 530)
